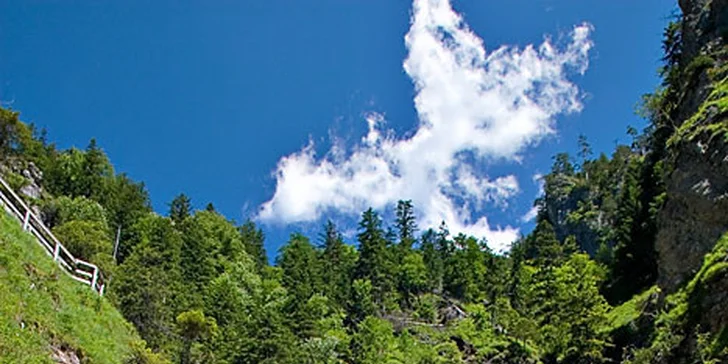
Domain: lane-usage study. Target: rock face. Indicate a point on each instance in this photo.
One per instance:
(34, 176)
(695, 213)
(61, 354)
(565, 198)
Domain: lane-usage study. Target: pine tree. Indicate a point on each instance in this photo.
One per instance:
(570, 311)
(585, 150)
(562, 165)
(406, 225)
(465, 278)
(125, 202)
(634, 266)
(180, 208)
(95, 169)
(412, 277)
(254, 243)
(445, 247)
(338, 261)
(149, 288)
(375, 263)
(433, 261)
(302, 277)
(544, 247)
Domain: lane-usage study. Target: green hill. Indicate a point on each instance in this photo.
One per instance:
(45, 314)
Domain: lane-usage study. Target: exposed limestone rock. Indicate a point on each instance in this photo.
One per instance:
(34, 176)
(695, 213)
(62, 354)
(562, 201)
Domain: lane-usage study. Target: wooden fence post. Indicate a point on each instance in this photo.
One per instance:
(26, 220)
(56, 252)
(95, 277)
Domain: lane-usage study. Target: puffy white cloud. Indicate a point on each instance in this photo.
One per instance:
(489, 106)
(533, 212)
(530, 215)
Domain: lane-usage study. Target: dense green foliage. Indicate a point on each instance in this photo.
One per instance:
(198, 288)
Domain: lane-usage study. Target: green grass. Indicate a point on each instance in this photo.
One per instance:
(695, 126)
(683, 309)
(41, 307)
(631, 310)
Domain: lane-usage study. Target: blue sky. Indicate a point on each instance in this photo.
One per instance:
(291, 112)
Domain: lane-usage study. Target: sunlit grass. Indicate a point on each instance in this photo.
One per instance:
(41, 307)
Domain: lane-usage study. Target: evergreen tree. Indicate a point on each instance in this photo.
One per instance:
(210, 245)
(412, 280)
(570, 311)
(193, 326)
(634, 266)
(375, 262)
(125, 203)
(338, 262)
(374, 342)
(406, 225)
(180, 208)
(254, 243)
(562, 165)
(149, 287)
(95, 170)
(543, 245)
(465, 278)
(361, 304)
(585, 150)
(302, 277)
(433, 261)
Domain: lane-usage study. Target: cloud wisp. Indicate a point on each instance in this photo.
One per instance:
(474, 107)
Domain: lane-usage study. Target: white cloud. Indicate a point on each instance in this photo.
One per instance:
(533, 212)
(490, 106)
(538, 179)
(530, 215)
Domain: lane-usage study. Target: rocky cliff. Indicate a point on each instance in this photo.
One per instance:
(695, 213)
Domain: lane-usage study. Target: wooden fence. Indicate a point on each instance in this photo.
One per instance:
(77, 269)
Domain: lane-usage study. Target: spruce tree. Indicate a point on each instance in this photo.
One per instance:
(375, 261)
(406, 225)
(634, 266)
(149, 289)
(254, 243)
(433, 261)
(302, 278)
(338, 262)
(180, 208)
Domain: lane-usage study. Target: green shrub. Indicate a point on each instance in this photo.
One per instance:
(84, 239)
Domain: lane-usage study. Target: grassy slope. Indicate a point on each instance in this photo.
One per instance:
(631, 310)
(683, 311)
(40, 306)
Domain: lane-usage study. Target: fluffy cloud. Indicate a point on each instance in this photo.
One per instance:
(533, 212)
(473, 107)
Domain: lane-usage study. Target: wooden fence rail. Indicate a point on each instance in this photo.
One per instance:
(77, 269)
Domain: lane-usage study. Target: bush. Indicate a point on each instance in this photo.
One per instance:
(65, 209)
(84, 239)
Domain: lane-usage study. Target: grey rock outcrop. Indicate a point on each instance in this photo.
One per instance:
(695, 213)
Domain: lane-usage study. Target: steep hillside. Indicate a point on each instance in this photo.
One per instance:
(695, 103)
(47, 317)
